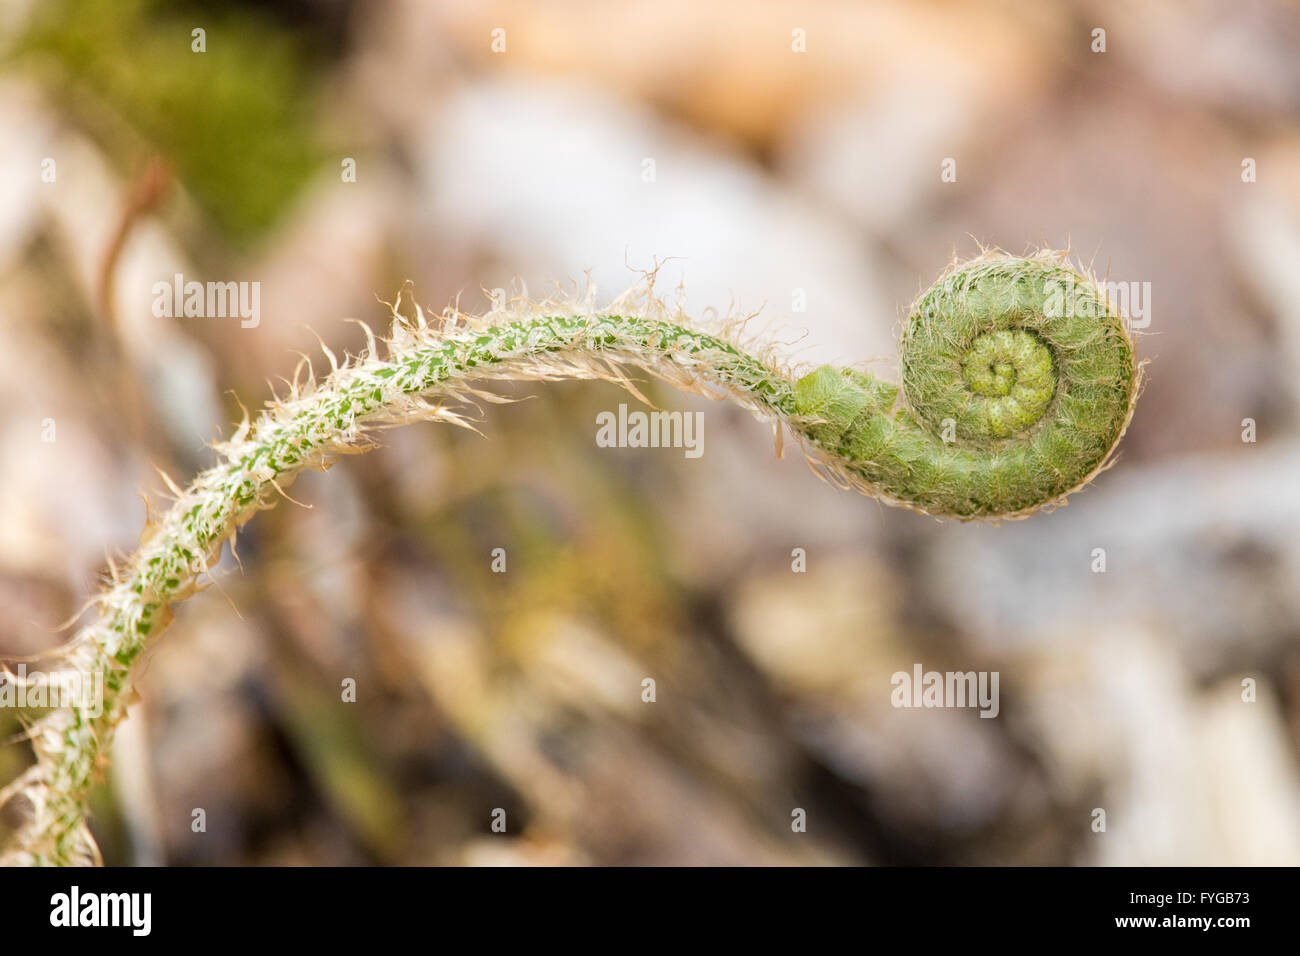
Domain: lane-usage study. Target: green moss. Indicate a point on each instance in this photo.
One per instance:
(234, 121)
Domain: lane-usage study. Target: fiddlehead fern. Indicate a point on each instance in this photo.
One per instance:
(1018, 382)
(1008, 408)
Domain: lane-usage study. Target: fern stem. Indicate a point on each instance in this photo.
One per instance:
(851, 425)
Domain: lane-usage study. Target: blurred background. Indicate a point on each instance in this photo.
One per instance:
(781, 158)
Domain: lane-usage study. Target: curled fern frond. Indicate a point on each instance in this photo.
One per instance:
(1006, 407)
(1018, 382)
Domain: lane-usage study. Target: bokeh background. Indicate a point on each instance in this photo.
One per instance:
(508, 144)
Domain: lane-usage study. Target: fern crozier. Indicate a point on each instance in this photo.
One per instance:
(1006, 406)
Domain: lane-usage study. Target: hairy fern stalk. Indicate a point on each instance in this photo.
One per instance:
(1006, 407)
